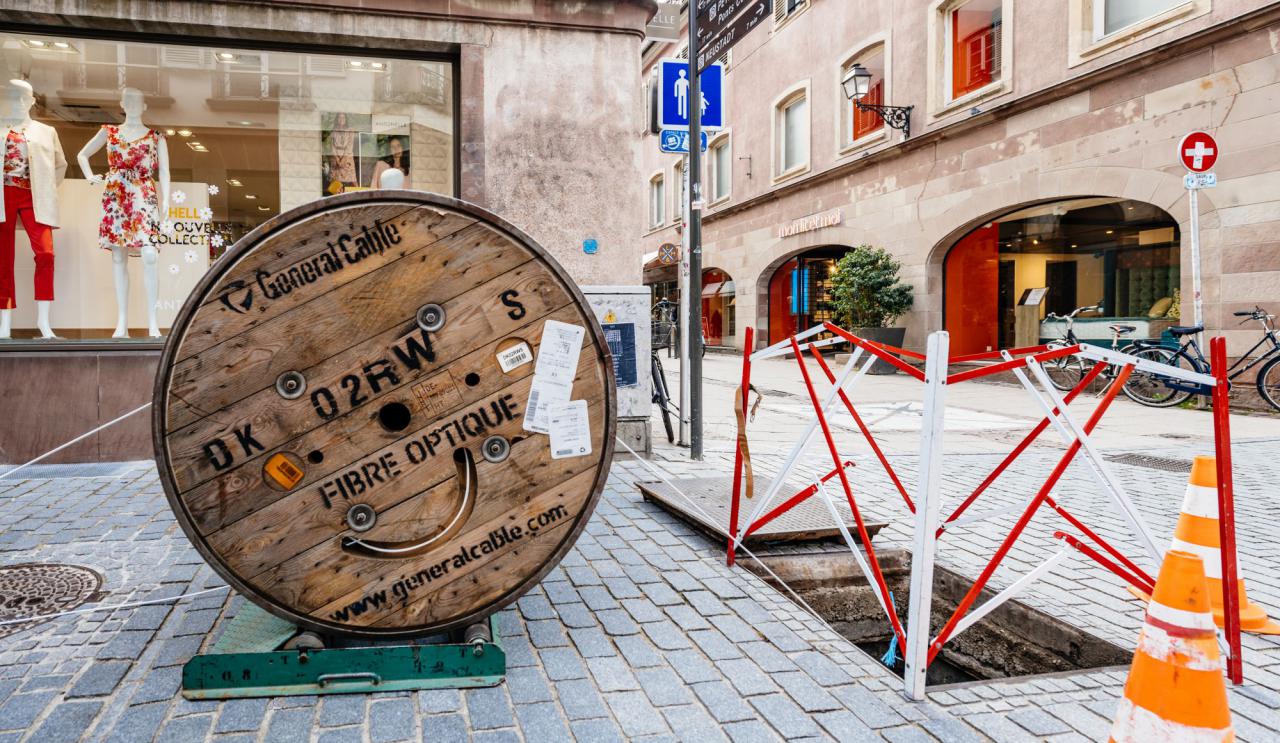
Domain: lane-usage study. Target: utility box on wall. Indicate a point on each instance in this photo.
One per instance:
(623, 312)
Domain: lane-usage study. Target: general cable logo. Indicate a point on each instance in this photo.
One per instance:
(347, 250)
(240, 305)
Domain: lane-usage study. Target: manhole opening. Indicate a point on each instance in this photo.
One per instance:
(1151, 462)
(1013, 641)
(31, 590)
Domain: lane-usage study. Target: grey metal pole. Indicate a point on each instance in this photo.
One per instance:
(695, 240)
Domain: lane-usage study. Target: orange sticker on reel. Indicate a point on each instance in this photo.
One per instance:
(282, 472)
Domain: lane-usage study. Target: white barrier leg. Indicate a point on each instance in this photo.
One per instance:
(928, 505)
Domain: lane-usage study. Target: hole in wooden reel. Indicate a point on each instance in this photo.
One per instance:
(394, 416)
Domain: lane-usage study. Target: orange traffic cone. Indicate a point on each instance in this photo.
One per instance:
(1175, 690)
(1197, 533)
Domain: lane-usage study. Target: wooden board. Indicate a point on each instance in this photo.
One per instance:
(271, 486)
(807, 521)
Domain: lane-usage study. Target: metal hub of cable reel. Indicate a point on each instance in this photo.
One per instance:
(343, 419)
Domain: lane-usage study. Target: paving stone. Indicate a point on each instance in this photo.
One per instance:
(693, 667)
(127, 645)
(547, 633)
(101, 679)
(907, 735)
(661, 594)
(344, 735)
(998, 727)
(635, 714)
(724, 704)
(714, 644)
(597, 598)
(444, 729)
(638, 652)
(768, 657)
(138, 723)
(21, 710)
(190, 728)
(666, 635)
(643, 610)
(821, 668)
(240, 715)
(1038, 722)
(580, 699)
(612, 674)
(391, 720)
(542, 721)
(528, 685)
(534, 606)
(592, 643)
(342, 709)
(562, 664)
(804, 691)
(433, 701)
(489, 708)
(506, 735)
(751, 731)
(291, 725)
(687, 617)
(178, 651)
(158, 685)
(663, 687)
(67, 722)
(746, 677)
(617, 622)
(845, 727)
(576, 615)
(600, 730)
(691, 724)
(867, 706)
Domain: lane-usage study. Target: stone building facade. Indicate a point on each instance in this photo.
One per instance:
(1041, 155)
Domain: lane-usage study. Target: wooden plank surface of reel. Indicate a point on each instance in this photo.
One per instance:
(343, 406)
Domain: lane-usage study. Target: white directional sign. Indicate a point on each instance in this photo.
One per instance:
(674, 104)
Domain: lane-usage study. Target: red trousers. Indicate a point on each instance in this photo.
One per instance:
(17, 205)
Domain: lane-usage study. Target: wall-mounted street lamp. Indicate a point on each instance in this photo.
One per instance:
(857, 82)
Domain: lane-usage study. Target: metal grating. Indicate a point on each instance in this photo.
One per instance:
(61, 471)
(1152, 462)
(31, 590)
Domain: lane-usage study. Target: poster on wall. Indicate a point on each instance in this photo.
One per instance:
(341, 141)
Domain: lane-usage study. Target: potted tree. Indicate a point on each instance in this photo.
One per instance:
(868, 296)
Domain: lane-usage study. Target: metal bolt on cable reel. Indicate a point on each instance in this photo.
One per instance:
(343, 421)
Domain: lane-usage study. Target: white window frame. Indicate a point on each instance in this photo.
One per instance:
(657, 221)
(782, 16)
(780, 105)
(1087, 41)
(678, 193)
(845, 143)
(720, 140)
(940, 59)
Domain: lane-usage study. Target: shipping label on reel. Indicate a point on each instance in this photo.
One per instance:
(342, 419)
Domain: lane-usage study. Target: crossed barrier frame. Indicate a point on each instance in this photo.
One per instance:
(1026, 365)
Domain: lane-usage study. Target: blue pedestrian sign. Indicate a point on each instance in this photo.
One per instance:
(674, 102)
(676, 141)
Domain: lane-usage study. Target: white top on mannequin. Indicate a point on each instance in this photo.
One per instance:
(19, 97)
(134, 103)
(391, 178)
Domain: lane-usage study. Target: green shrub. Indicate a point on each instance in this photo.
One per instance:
(866, 289)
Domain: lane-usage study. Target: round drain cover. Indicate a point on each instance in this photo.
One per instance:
(397, 406)
(31, 590)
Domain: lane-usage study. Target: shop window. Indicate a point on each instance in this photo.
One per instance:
(800, 292)
(1119, 254)
(973, 45)
(721, 168)
(860, 124)
(718, 304)
(791, 131)
(1112, 16)
(231, 136)
(657, 202)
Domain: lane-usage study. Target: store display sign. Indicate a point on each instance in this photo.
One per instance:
(621, 338)
(665, 26)
(811, 223)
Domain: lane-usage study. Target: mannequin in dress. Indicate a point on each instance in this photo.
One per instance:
(33, 169)
(133, 210)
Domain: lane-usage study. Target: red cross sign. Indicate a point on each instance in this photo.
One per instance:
(1198, 152)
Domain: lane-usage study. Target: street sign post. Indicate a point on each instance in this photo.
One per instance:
(723, 23)
(1198, 152)
(677, 142)
(677, 93)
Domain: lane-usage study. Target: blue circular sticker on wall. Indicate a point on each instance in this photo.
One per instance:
(590, 246)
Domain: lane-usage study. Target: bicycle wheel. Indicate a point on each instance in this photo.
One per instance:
(662, 398)
(1065, 372)
(1150, 388)
(1269, 383)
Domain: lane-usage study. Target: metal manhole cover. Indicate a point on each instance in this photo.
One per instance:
(1155, 463)
(32, 589)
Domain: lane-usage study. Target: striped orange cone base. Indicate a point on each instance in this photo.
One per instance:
(1197, 533)
(1176, 692)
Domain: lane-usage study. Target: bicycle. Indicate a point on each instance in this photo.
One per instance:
(1189, 355)
(661, 397)
(1066, 372)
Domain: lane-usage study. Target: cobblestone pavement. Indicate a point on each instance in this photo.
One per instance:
(641, 633)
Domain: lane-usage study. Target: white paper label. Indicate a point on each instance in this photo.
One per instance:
(516, 356)
(570, 429)
(553, 372)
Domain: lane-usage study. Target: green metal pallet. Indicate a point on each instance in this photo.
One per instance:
(244, 662)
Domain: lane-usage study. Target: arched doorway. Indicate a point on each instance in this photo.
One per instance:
(800, 292)
(1061, 255)
(718, 306)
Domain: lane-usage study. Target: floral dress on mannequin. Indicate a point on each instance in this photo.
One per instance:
(130, 210)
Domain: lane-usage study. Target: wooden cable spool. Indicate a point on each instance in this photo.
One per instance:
(341, 409)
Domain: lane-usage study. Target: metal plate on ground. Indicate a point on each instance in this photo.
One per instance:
(330, 399)
(32, 590)
(808, 521)
(1150, 461)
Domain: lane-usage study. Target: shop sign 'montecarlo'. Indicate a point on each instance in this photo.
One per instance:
(811, 222)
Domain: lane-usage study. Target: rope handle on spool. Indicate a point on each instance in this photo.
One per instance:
(739, 410)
